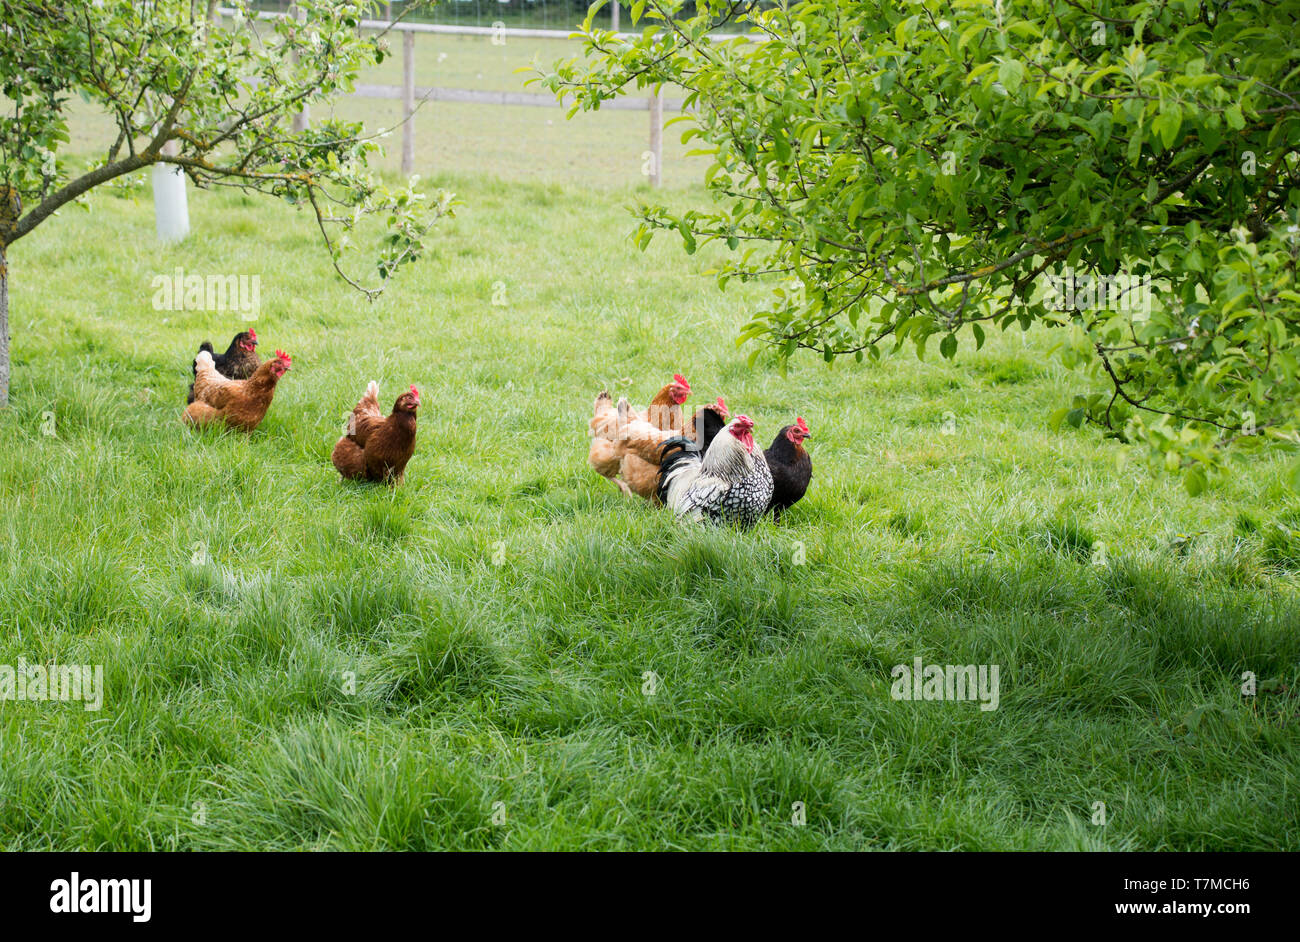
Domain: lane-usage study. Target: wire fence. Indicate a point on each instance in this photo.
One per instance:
(545, 14)
(414, 87)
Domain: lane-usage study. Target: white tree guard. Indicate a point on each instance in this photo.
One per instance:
(171, 211)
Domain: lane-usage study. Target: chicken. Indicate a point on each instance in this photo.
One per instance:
(644, 446)
(665, 410)
(240, 403)
(604, 454)
(377, 448)
(790, 465)
(238, 362)
(609, 421)
(730, 483)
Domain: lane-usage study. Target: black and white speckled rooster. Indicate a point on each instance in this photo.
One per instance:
(730, 483)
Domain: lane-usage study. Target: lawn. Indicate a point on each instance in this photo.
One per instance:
(505, 653)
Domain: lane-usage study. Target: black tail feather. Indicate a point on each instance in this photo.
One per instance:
(194, 366)
(673, 453)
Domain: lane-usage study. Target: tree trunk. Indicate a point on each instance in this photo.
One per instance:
(4, 329)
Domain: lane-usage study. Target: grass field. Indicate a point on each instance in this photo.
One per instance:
(462, 662)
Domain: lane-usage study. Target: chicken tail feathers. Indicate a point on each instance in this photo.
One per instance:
(366, 415)
(676, 447)
(349, 459)
(679, 465)
(205, 347)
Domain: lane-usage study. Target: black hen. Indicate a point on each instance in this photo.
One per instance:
(790, 465)
(240, 360)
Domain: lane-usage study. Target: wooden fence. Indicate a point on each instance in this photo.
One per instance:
(412, 95)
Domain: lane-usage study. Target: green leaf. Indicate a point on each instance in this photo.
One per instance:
(1166, 125)
(1011, 73)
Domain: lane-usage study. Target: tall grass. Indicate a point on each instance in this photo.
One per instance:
(504, 653)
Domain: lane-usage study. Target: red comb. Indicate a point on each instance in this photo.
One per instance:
(722, 404)
(803, 426)
(252, 335)
(415, 392)
(281, 355)
(680, 380)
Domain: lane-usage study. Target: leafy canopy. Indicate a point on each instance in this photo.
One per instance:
(912, 170)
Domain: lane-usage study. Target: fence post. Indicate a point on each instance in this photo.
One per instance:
(656, 137)
(408, 102)
(303, 117)
(613, 16)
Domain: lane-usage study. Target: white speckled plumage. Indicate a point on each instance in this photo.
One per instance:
(728, 484)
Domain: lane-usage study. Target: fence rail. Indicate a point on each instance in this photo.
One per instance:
(411, 96)
(502, 30)
(480, 96)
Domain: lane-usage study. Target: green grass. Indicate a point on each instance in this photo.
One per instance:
(356, 667)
